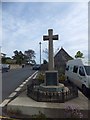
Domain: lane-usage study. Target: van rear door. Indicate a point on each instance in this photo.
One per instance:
(75, 75)
(81, 76)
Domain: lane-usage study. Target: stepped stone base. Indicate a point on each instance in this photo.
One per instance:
(53, 88)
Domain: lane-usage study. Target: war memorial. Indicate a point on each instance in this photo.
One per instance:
(51, 90)
(50, 98)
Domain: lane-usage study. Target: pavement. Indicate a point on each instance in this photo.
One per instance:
(29, 107)
(19, 101)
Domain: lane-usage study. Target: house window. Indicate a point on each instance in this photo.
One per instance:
(75, 69)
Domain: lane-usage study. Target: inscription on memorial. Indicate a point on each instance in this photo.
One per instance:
(51, 78)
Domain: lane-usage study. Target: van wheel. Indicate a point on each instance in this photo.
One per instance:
(84, 90)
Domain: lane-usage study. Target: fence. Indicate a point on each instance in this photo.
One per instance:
(45, 96)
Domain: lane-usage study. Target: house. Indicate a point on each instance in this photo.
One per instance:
(3, 55)
(60, 60)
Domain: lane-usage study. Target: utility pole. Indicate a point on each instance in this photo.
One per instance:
(0, 55)
(40, 52)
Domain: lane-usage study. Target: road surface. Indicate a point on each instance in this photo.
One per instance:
(12, 79)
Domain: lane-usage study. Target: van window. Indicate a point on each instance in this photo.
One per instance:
(87, 68)
(67, 68)
(81, 71)
(75, 69)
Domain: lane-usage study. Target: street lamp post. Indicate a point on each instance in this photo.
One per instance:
(0, 55)
(40, 52)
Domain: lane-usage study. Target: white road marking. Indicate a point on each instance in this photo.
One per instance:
(35, 76)
(24, 83)
(13, 94)
(21, 85)
(27, 80)
(5, 102)
(18, 89)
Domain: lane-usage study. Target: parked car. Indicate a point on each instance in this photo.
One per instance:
(4, 67)
(36, 67)
(78, 72)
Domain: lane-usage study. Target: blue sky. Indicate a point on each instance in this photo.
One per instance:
(25, 23)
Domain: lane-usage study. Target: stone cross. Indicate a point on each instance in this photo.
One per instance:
(50, 38)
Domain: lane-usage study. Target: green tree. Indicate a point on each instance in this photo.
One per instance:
(19, 57)
(5, 59)
(45, 62)
(79, 55)
(29, 55)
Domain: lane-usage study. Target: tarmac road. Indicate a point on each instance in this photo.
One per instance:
(13, 78)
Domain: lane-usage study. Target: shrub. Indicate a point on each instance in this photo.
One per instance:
(13, 112)
(40, 116)
(72, 111)
(40, 77)
(62, 78)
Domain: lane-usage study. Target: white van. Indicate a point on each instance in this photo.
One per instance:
(78, 72)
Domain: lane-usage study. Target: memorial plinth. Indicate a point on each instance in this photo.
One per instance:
(51, 83)
(51, 78)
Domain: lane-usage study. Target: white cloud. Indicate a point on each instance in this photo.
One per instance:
(71, 25)
(74, 29)
(44, 0)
